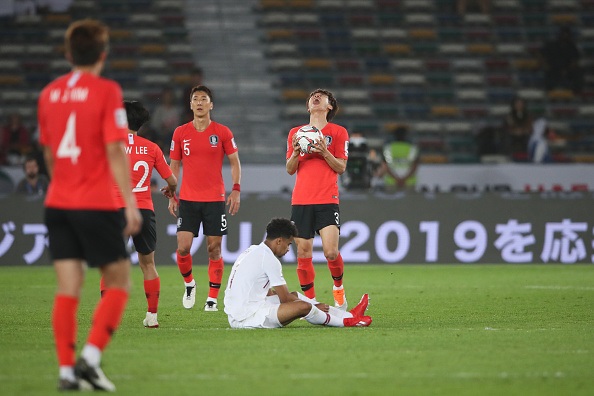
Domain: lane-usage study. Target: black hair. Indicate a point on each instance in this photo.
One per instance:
(331, 99)
(86, 40)
(137, 114)
(280, 228)
(202, 88)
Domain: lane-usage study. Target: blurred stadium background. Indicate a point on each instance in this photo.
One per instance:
(418, 63)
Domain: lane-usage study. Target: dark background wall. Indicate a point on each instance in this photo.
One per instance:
(398, 228)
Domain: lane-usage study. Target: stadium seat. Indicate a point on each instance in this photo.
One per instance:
(123, 64)
(480, 49)
(294, 95)
(499, 79)
(439, 78)
(560, 95)
(397, 49)
(382, 79)
(433, 158)
(473, 95)
(497, 64)
(383, 96)
(406, 64)
(348, 64)
(413, 95)
(11, 79)
(445, 111)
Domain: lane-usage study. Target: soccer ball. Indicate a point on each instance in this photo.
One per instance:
(307, 136)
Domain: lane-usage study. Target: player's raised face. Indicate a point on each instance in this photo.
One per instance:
(319, 101)
(200, 102)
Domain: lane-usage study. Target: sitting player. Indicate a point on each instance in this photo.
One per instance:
(257, 294)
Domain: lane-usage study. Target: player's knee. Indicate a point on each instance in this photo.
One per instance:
(304, 308)
(183, 250)
(331, 254)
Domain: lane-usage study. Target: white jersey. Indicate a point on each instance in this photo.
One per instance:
(256, 270)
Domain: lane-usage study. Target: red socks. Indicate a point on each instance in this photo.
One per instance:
(65, 326)
(184, 263)
(152, 288)
(215, 277)
(306, 275)
(107, 317)
(336, 268)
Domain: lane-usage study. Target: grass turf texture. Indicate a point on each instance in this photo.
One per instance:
(437, 330)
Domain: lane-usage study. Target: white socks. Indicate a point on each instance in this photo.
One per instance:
(317, 317)
(92, 355)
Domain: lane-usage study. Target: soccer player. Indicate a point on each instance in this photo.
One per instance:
(257, 295)
(200, 145)
(83, 128)
(144, 156)
(315, 195)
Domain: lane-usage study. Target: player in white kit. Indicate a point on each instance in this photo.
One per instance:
(257, 295)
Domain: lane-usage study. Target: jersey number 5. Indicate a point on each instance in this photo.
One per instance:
(68, 147)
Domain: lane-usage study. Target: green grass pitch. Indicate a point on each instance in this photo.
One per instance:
(437, 330)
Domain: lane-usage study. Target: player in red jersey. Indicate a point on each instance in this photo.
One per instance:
(82, 130)
(201, 146)
(144, 156)
(315, 195)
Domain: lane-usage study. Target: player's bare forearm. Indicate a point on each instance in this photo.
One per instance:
(49, 160)
(338, 165)
(233, 201)
(170, 189)
(174, 165)
(293, 163)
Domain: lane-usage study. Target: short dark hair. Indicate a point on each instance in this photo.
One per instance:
(137, 114)
(202, 88)
(331, 99)
(86, 40)
(280, 228)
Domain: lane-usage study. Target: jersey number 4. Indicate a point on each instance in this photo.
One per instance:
(68, 147)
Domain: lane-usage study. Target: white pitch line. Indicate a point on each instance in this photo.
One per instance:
(553, 287)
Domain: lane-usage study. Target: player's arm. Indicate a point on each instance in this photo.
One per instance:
(293, 160)
(338, 165)
(118, 163)
(234, 197)
(48, 156)
(283, 294)
(174, 165)
(171, 188)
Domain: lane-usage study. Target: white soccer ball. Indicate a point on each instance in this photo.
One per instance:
(307, 136)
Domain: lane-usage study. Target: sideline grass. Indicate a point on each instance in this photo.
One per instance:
(437, 330)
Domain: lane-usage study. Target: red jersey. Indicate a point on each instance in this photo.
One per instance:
(316, 182)
(144, 156)
(202, 156)
(78, 114)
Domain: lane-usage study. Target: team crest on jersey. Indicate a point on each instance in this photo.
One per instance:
(214, 140)
(328, 140)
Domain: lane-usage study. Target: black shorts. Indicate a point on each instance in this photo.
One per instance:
(92, 235)
(310, 219)
(210, 214)
(146, 240)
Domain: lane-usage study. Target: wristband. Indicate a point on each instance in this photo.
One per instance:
(237, 187)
